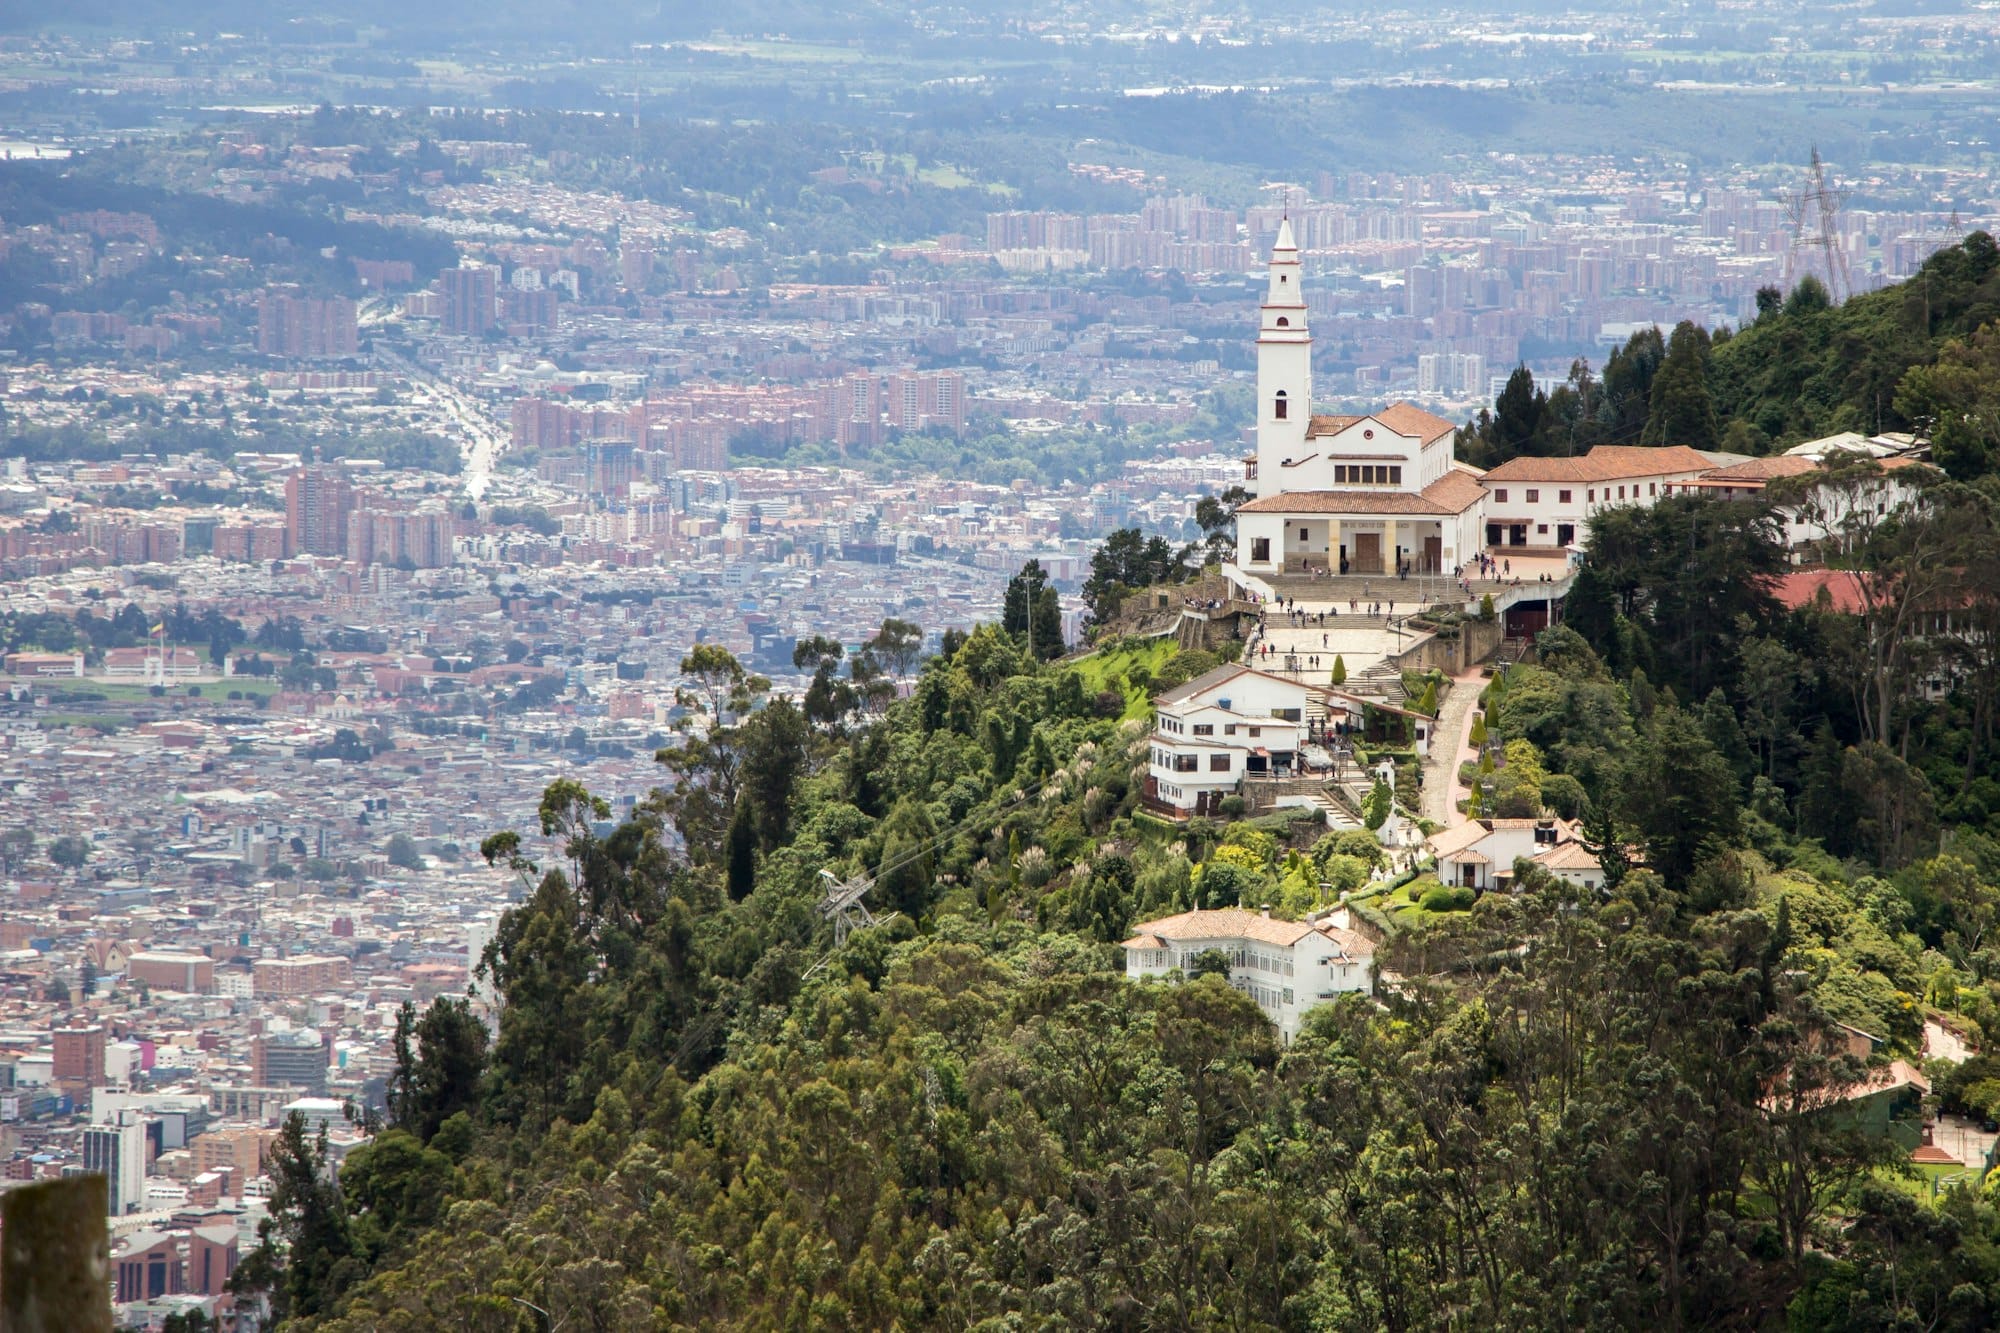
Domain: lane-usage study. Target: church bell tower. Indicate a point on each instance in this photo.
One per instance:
(1284, 367)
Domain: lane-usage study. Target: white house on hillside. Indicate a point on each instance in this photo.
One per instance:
(1220, 726)
(1480, 853)
(1287, 967)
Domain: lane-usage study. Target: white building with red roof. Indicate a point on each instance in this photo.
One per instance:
(1380, 493)
(1287, 967)
(1832, 491)
(1357, 494)
(1548, 502)
(1481, 853)
(1228, 723)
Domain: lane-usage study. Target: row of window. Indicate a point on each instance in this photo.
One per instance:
(1261, 962)
(1533, 495)
(1178, 727)
(1367, 474)
(1237, 958)
(1229, 728)
(1267, 997)
(1189, 763)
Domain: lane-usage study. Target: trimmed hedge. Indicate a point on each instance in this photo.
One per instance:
(1447, 898)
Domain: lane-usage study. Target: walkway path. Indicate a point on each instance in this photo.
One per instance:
(1963, 1139)
(1451, 745)
(1941, 1043)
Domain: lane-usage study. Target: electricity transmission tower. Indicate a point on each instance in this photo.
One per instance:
(841, 903)
(1816, 209)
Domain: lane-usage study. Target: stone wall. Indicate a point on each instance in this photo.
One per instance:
(1454, 650)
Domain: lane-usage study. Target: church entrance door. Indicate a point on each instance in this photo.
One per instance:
(1368, 553)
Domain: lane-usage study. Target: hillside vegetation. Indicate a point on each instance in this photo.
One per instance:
(1921, 355)
(1563, 1109)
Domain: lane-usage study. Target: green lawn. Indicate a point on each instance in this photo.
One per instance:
(946, 177)
(1926, 1182)
(1100, 669)
(101, 721)
(104, 704)
(1933, 1180)
(120, 692)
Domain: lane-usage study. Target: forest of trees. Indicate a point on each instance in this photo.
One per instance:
(1920, 355)
(1574, 1109)
(1578, 1111)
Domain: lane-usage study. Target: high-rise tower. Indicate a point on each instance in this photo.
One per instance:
(318, 500)
(1284, 367)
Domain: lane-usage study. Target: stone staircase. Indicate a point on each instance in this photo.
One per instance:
(1345, 619)
(1337, 816)
(1408, 594)
(1382, 681)
(1319, 794)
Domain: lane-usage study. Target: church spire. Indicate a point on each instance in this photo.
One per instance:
(1283, 279)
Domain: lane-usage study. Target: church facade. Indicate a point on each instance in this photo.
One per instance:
(1380, 493)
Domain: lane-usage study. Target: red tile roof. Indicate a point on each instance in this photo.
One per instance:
(1409, 419)
(1403, 418)
(1329, 425)
(1345, 502)
(1764, 469)
(1240, 923)
(1606, 462)
(1843, 588)
(1455, 491)
(1217, 924)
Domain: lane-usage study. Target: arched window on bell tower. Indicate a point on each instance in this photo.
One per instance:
(1280, 405)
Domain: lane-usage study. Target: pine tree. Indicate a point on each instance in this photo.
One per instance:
(1517, 417)
(1032, 611)
(1681, 410)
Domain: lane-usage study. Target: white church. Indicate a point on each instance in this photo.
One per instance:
(1381, 493)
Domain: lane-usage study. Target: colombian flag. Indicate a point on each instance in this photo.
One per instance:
(160, 628)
